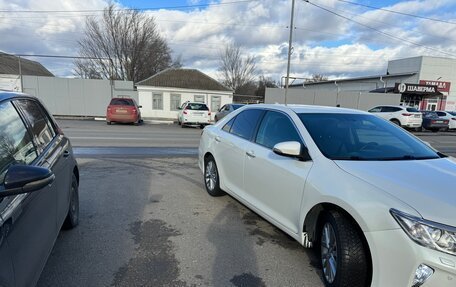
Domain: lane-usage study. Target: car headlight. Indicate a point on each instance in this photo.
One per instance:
(426, 233)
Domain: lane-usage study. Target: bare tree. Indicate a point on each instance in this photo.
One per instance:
(236, 70)
(317, 78)
(263, 83)
(124, 45)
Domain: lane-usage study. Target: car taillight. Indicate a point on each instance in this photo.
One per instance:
(185, 112)
(432, 122)
(135, 111)
(406, 115)
(209, 113)
(446, 122)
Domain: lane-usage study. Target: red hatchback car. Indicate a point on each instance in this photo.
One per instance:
(123, 110)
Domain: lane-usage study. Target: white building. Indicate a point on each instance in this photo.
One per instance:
(426, 82)
(162, 94)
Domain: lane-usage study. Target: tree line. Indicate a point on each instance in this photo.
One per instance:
(126, 45)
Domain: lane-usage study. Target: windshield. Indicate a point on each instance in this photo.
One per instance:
(452, 113)
(363, 137)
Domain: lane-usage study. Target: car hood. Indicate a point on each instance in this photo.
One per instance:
(428, 186)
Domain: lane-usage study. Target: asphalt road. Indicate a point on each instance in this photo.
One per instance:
(146, 219)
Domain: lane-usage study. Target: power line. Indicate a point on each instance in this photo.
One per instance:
(381, 32)
(397, 12)
(130, 9)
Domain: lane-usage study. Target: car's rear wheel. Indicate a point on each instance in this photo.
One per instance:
(72, 219)
(211, 177)
(435, 130)
(396, 122)
(343, 256)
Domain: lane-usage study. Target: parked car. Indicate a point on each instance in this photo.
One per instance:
(39, 180)
(450, 117)
(340, 180)
(194, 114)
(123, 110)
(226, 109)
(432, 122)
(407, 117)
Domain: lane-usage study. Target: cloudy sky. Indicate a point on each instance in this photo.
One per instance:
(357, 42)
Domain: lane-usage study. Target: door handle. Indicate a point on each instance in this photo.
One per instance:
(217, 139)
(250, 154)
(66, 153)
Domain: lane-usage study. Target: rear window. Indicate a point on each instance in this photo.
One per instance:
(122, 102)
(412, 110)
(453, 113)
(197, 107)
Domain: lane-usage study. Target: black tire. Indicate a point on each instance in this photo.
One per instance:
(202, 126)
(435, 130)
(352, 259)
(72, 219)
(420, 129)
(213, 188)
(109, 123)
(178, 122)
(182, 125)
(396, 122)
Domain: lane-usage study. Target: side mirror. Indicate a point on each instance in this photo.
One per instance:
(140, 106)
(25, 178)
(292, 149)
(179, 108)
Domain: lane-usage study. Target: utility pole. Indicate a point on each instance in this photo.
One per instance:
(20, 74)
(289, 50)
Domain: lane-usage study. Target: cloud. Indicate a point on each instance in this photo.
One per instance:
(323, 43)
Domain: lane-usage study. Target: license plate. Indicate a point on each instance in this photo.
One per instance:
(439, 122)
(197, 114)
(121, 111)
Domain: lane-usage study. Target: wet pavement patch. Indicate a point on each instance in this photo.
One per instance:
(154, 263)
(247, 280)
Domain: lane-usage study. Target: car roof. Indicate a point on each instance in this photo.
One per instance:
(393, 106)
(5, 95)
(196, 103)
(307, 109)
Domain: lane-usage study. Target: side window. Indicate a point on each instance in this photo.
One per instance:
(16, 145)
(41, 127)
(441, 114)
(245, 123)
(375, 110)
(275, 128)
(228, 125)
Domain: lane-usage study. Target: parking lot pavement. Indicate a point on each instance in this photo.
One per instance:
(149, 222)
(89, 133)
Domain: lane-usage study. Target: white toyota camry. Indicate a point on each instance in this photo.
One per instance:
(377, 202)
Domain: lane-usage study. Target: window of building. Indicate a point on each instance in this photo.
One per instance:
(175, 102)
(157, 101)
(216, 102)
(199, 99)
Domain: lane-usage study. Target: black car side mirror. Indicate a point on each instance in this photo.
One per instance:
(25, 178)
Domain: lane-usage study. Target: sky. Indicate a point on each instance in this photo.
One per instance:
(358, 41)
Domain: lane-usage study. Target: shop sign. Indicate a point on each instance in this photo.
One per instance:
(441, 86)
(416, 89)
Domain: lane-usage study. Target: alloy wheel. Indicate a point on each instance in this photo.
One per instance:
(210, 175)
(329, 252)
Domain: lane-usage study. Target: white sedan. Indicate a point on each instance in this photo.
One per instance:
(378, 203)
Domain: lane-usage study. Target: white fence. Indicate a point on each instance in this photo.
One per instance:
(77, 97)
(353, 100)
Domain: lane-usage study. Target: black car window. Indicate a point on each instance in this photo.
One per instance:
(390, 109)
(16, 145)
(235, 107)
(227, 126)
(363, 137)
(375, 110)
(196, 107)
(245, 123)
(275, 128)
(122, 102)
(41, 127)
(441, 114)
(412, 110)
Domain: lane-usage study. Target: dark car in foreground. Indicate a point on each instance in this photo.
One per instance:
(123, 110)
(432, 122)
(39, 181)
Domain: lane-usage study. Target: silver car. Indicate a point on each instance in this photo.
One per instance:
(226, 109)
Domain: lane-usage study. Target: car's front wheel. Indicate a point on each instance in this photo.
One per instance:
(211, 177)
(343, 255)
(72, 219)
